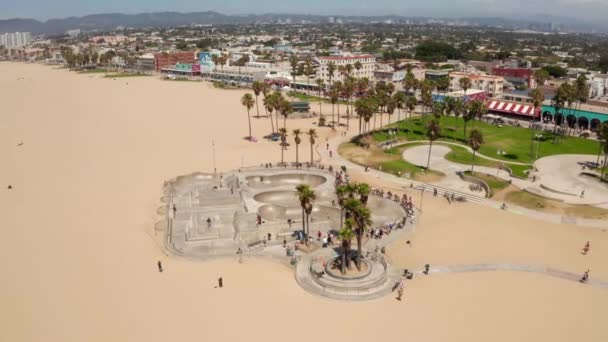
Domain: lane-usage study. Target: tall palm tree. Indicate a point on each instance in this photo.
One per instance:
(346, 236)
(399, 101)
(308, 69)
(465, 84)
(390, 109)
(558, 102)
(333, 98)
(247, 101)
(339, 87)
(349, 90)
(331, 69)
(475, 142)
(409, 81)
(306, 196)
(296, 133)
(476, 109)
(358, 67)
(321, 86)
(283, 133)
(269, 106)
(312, 135)
(449, 105)
(293, 61)
(411, 103)
(257, 87)
(433, 131)
(285, 109)
(602, 138)
(361, 216)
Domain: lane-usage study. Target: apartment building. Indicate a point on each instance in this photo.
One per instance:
(368, 66)
(491, 84)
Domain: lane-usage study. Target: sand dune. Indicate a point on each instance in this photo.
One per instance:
(78, 250)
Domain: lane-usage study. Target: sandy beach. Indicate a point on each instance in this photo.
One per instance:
(79, 248)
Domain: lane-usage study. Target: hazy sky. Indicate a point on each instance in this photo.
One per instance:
(45, 9)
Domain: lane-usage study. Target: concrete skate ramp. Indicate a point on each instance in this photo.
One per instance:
(288, 179)
(384, 211)
(273, 213)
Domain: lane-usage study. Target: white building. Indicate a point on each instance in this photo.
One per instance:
(15, 40)
(368, 66)
(492, 84)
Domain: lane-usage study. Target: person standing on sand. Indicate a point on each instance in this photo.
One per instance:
(220, 282)
(585, 277)
(160, 266)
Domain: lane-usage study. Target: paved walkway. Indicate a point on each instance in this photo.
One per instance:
(548, 271)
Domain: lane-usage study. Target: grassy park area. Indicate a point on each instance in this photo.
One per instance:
(514, 142)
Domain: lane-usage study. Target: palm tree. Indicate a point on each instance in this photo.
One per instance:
(312, 135)
(331, 69)
(558, 101)
(285, 109)
(321, 86)
(339, 87)
(541, 76)
(361, 216)
(411, 103)
(296, 134)
(602, 138)
(247, 101)
(475, 142)
(409, 81)
(346, 236)
(257, 87)
(433, 131)
(269, 106)
(476, 109)
(306, 196)
(449, 105)
(333, 98)
(349, 90)
(293, 61)
(308, 69)
(390, 109)
(399, 101)
(358, 67)
(438, 110)
(283, 133)
(465, 84)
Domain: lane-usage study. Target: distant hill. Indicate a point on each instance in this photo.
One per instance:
(110, 21)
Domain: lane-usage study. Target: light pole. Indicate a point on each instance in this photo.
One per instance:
(213, 150)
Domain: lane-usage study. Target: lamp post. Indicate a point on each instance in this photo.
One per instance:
(213, 150)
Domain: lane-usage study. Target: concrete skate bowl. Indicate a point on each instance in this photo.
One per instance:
(284, 205)
(384, 211)
(288, 179)
(275, 213)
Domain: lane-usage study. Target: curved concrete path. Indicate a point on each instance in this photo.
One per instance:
(469, 149)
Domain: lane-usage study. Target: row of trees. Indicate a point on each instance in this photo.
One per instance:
(276, 102)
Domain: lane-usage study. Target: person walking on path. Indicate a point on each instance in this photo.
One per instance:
(400, 289)
(585, 277)
(160, 266)
(586, 248)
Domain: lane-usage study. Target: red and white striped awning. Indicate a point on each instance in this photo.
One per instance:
(512, 108)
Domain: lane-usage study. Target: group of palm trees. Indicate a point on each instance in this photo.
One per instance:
(355, 216)
(277, 103)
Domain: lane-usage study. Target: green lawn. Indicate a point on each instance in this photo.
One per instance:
(514, 141)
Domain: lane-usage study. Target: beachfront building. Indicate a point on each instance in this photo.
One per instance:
(145, 63)
(368, 66)
(183, 69)
(513, 106)
(15, 40)
(517, 76)
(168, 59)
(471, 95)
(584, 117)
(435, 75)
(492, 84)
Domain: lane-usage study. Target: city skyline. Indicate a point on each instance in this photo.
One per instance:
(42, 10)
